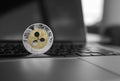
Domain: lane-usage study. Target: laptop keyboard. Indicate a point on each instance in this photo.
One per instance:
(12, 49)
(63, 49)
(58, 49)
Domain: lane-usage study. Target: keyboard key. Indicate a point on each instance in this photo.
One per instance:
(96, 54)
(83, 54)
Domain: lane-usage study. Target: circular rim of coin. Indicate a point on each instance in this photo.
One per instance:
(27, 32)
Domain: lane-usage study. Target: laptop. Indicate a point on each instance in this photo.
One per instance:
(69, 59)
(66, 22)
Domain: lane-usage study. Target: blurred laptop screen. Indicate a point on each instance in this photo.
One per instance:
(63, 16)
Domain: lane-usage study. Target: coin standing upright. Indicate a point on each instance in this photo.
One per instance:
(38, 38)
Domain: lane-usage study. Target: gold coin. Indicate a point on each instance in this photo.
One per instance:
(37, 38)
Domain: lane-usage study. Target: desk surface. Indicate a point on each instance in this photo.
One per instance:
(52, 69)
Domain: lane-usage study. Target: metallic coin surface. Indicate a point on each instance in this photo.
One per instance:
(38, 38)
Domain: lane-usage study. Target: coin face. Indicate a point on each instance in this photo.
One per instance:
(37, 38)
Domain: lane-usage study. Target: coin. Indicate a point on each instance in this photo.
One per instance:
(38, 38)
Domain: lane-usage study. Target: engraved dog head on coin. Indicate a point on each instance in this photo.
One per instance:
(38, 38)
